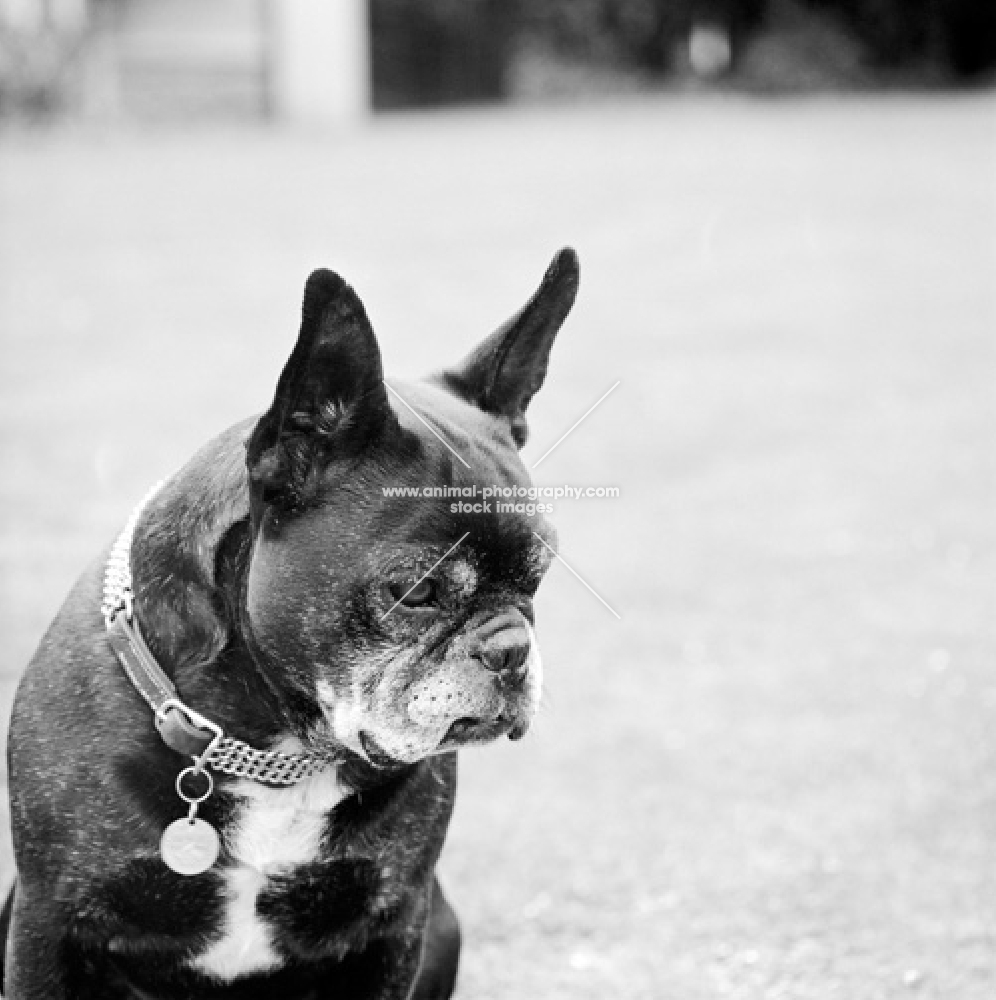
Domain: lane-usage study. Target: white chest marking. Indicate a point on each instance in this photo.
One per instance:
(276, 829)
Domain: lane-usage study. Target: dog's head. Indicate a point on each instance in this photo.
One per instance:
(406, 617)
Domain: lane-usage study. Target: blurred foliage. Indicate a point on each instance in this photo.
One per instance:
(433, 51)
(957, 35)
(643, 33)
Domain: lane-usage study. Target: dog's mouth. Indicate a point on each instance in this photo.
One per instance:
(374, 752)
(462, 732)
(465, 731)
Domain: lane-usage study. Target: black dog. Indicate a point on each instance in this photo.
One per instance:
(231, 759)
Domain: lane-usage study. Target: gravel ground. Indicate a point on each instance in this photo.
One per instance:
(775, 776)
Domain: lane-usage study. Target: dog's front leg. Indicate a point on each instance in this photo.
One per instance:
(35, 967)
(440, 952)
(396, 964)
(44, 961)
(386, 970)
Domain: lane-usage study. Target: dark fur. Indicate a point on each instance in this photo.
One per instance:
(95, 913)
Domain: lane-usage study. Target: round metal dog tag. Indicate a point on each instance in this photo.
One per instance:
(189, 846)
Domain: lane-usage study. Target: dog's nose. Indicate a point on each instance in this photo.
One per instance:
(503, 644)
(506, 656)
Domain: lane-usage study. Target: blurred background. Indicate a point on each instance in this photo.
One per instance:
(271, 58)
(773, 775)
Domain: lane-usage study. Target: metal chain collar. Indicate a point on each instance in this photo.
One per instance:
(226, 754)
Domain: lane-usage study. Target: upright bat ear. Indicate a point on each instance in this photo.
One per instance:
(503, 374)
(330, 403)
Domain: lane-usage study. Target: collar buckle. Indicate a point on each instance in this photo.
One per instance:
(187, 731)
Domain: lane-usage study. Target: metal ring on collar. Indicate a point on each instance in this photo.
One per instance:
(194, 799)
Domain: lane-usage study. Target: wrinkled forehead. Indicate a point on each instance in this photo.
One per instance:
(465, 480)
(460, 443)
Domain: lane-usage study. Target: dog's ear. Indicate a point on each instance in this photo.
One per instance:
(504, 373)
(330, 402)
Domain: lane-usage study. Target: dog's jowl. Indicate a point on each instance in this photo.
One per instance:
(233, 757)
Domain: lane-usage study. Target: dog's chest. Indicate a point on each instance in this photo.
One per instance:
(275, 830)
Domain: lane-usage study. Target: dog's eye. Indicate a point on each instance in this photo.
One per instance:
(421, 595)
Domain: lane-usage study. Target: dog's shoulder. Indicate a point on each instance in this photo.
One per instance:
(72, 659)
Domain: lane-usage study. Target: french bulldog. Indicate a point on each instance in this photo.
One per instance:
(276, 662)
